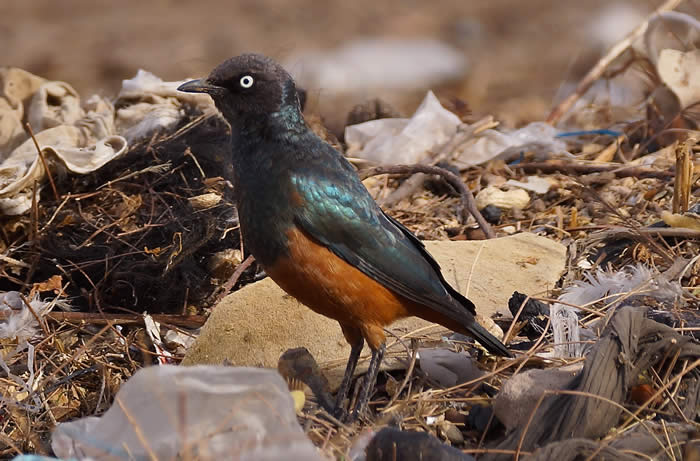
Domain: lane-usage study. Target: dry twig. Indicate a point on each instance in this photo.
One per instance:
(468, 202)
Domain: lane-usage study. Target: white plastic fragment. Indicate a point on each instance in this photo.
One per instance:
(181, 339)
(148, 104)
(679, 71)
(536, 184)
(54, 104)
(202, 412)
(153, 332)
(507, 200)
(83, 138)
(403, 141)
(539, 137)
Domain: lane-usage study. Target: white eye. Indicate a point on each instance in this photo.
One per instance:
(247, 81)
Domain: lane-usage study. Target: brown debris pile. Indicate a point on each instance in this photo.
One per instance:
(139, 233)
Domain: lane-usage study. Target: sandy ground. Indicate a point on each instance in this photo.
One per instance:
(520, 51)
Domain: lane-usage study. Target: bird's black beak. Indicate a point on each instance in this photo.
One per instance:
(198, 86)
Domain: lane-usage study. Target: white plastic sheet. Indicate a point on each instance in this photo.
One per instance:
(202, 412)
(406, 141)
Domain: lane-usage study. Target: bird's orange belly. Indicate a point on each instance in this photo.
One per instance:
(330, 286)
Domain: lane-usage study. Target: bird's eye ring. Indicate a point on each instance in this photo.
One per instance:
(246, 81)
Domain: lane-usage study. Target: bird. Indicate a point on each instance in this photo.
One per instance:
(308, 220)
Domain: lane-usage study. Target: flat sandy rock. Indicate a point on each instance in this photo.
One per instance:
(257, 323)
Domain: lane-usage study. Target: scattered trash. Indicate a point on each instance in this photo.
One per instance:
(537, 138)
(590, 404)
(676, 69)
(202, 412)
(83, 139)
(433, 128)
(163, 195)
(147, 104)
(403, 141)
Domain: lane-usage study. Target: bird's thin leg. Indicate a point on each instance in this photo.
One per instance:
(339, 411)
(370, 380)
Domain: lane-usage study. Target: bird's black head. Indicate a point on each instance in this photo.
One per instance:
(250, 85)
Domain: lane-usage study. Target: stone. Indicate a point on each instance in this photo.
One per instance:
(255, 325)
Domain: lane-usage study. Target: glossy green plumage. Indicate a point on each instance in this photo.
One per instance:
(285, 177)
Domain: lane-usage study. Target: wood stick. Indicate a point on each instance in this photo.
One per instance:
(567, 166)
(43, 162)
(187, 321)
(468, 201)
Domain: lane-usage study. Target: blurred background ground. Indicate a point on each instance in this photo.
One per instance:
(520, 54)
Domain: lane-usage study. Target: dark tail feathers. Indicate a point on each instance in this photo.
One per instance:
(486, 339)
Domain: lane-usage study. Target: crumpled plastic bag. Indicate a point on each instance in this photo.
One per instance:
(539, 137)
(677, 70)
(84, 139)
(202, 412)
(16, 89)
(148, 104)
(405, 141)
(400, 140)
(54, 104)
